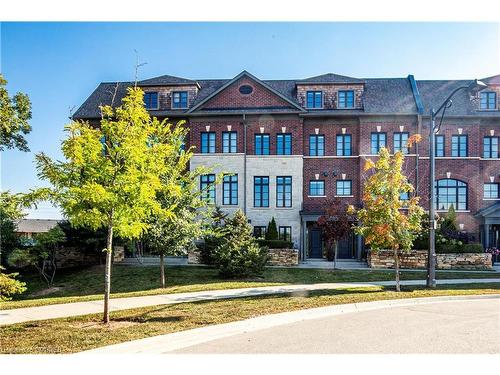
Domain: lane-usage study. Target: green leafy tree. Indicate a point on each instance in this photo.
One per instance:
(9, 286)
(272, 230)
(112, 173)
(15, 113)
(386, 221)
(449, 221)
(10, 212)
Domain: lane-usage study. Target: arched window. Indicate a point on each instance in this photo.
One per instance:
(450, 192)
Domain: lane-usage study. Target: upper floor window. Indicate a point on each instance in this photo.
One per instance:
(378, 141)
(314, 99)
(404, 196)
(284, 144)
(317, 188)
(284, 191)
(439, 145)
(488, 100)
(151, 100)
(230, 190)
(401, 142)
(451, 192)
(229, 142)
(316, 145)
(346, 99)
(261, 191)
(490, 147)
(180, 99)
(208, 142)
(490, 191)
(285, 233)
(207, 187)
(344, 187)
(344, 145)
(459, 146)
(261, 144)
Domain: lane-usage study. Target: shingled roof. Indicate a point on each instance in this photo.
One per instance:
(166, 80)
(329, 78)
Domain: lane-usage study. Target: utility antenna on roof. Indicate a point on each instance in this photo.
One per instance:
(137, 66)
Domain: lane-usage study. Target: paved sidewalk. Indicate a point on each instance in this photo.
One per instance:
(90, 307)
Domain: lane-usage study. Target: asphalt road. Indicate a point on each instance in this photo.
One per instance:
(471, 326)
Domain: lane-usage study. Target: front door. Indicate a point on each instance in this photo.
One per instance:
(346, 248)
(315, 248)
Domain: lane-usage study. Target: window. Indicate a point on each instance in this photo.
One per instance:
(261, 191)
(151, 100)
(208, 142)
(207, 187)
(316, 145)
(317, 188)
(284, 144)
(344, 187)
(346, 99)
(285, 234)
(378, 141)
(439, 145)
(229, 142)
(283, 191)
(451, 193)
(179, 99)
(230, 190)
(344, 145)
(490, 147)
(245, 89)
(259, 231)
(261, 144)
(404, 196)
(459, 146)
(314, 99)
(491, 191)
(401, 142)
(488, 100)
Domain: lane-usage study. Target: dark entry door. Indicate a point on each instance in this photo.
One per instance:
(345, 248)
(315, 250)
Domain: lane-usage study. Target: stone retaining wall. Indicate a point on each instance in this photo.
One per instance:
(194, 256)
(418, 259)
(277, 257)
(68, 257)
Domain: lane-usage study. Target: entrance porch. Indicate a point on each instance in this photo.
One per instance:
(490, 228)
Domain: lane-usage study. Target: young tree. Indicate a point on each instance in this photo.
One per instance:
(272, 230)
(335, 225)
(10, 213)
(386, 221)
(9, 285)
(15, 112)
(112, 173)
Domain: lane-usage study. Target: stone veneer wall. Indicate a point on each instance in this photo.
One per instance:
(418, 259)
(277, 257)
(194, 256)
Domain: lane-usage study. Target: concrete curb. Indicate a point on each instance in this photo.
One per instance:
(179, 340)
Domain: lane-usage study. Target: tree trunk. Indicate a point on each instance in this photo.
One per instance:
(162, 271)
(336, 248)
(396, 267)
(107, 274)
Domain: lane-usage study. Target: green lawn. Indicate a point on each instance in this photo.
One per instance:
(127, 281)
(75, 334)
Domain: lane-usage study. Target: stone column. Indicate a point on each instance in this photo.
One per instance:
(487, 235)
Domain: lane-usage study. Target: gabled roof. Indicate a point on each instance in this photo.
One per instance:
(230, 82)
(329, 78)
(493, 80)
(166, 80)
(488, 211)
(35, 225)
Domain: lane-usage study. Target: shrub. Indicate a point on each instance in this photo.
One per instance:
(272, 230)
(239, 254)
(207, 249)
(472, 248)
(9, 285)
(275, 244)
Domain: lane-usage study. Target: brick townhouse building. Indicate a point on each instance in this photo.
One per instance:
(290, 145)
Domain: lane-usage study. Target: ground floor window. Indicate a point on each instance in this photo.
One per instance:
(207, 187)
(285, 233)
(259, 231)
(230, 190)
(450, 192)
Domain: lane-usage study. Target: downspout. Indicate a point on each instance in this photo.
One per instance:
(244, 164)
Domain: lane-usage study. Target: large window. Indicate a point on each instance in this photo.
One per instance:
(259, 231)
(314, 99)
(283, 191)
(207, 187)
(490, 191)
(344, 187)
(451, 192)
(208, 142)
(346, 99)
(230, 190)
(316, 145)
(439, 145)
(459, 146)
(285, 233)
(317, 188)
(401, 142)
(344, 145)
(151, 100)
(488, 100)
(284, 144)
(261, 191)
(229, 142)
(261, 144)
(378, 141)
(179, 99)
(490, 147)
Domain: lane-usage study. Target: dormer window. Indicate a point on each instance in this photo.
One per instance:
(314, 99)
(151, 100)
(179, 99)
(488, 100)
(346, 99)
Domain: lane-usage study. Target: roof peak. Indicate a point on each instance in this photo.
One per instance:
(330, 78)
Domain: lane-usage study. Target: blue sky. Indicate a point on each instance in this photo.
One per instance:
(59, 64)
